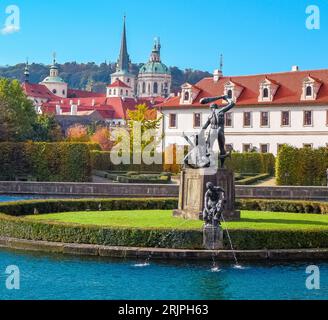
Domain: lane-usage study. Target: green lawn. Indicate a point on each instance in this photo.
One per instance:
(164, 219)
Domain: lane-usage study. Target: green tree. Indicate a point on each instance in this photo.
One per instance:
(47, 129)
(142, 123)
(17, 112)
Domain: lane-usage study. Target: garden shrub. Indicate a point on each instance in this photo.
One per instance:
(60, 162)
(252, 163)
(277, 239)
(70, 233)
(101, 161)
(302, 167)
(21, 208)
(253, 179)
(291, 206)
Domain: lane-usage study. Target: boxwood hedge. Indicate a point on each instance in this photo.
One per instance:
(69, 233)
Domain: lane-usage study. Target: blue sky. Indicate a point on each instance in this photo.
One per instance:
(254, 36)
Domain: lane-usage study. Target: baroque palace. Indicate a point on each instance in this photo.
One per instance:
(272, 110)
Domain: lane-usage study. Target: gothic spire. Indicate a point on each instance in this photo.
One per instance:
(124, 60)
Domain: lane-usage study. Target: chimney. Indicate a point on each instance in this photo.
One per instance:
(71, 102)
(78, 102)
(295, 68)
(58, 110)
(93, 102)
(73, 110)
(217, 75)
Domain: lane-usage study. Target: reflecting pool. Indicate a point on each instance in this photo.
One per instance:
(65, 277)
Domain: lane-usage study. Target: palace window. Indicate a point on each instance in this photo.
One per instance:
(173, 121)
(229, 93)
(197, 120)
(144, 87)
(307, 118)
(247, 119)
(264, 119)
(247, 147)
(54, 91)
(285, 118)
(228, 119)
(308, 145)
(121, 92)
(126, 92)
(264, 148)
(155, 88)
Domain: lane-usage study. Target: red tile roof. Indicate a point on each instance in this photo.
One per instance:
(75, 93)
(109, 108)
(289, 92)
(34, 90)
(118, 84)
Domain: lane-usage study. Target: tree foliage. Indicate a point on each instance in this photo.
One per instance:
(17, 113)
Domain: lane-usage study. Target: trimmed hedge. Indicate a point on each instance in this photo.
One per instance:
(101, 161)
(70, 233)
(22, 208)
(60, 161)
(251, 180)
(302, 167)
(282, 206)
(252, 163)
(12, 225)
(275, 239)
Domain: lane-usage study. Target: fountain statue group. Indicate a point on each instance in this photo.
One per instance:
(202, 156)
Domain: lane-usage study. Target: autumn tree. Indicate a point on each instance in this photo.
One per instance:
(102, 137)
(78, 133)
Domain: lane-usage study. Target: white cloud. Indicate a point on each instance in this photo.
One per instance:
(9, 29)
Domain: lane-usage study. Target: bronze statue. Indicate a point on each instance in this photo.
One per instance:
(200, 155)
(214, 204)
(216, 122)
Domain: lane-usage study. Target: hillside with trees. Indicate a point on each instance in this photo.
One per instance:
(79, 75)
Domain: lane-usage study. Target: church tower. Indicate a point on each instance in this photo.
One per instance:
(54, 82)
(123, 77)
(154, 78)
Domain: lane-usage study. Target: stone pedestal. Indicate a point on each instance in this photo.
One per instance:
(213, 238)
(193, 189)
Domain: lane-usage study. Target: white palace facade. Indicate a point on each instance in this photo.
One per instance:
(272, 110)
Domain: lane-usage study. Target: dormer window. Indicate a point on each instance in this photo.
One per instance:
(311, 87)
(186, 96)
(233, 90)
(309, 91)
(268, 90)
(265, 93)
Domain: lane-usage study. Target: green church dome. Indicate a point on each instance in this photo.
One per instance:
(155, 68)
(53, 79)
